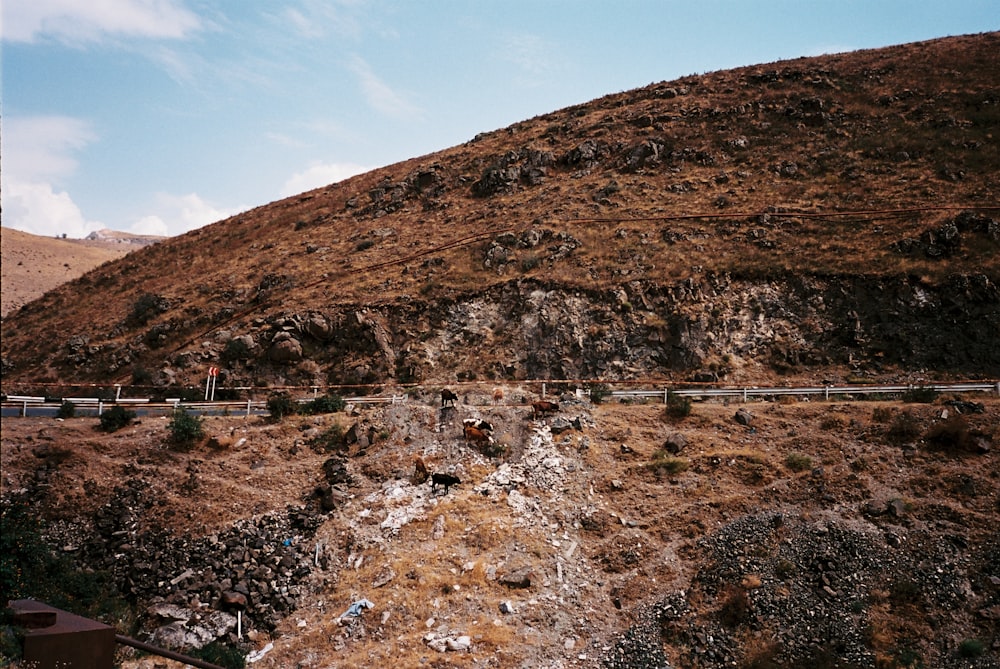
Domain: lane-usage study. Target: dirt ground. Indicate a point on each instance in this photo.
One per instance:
(605, 520)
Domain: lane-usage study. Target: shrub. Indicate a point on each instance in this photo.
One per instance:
(920, 395)
(141, 376)
(222, 655)
(529, 262)
(971, 648)
(598, 392)
(116, 418)
(950, 435)
(185, 428)
(904, 427)
(280, 405)
(330, 440)
(66, 410)
(665, 462)
(678, 406)
(798, 462)
(147, 307)
(331, 403)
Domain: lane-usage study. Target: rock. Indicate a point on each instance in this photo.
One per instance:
(517, 579)
(675, 443)
(286, 350)
(507, 607)
(743, 417)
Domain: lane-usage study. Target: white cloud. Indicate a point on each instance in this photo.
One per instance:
(320, 175)
(177, 214)
(40, 210)
(379, 94)
(73, 21)
(37, 152)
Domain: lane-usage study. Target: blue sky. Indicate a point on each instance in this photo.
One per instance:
(160, 116)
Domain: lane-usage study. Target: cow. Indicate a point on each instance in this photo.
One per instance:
(542, 407)
(498, 395)
(447, 480)
(448, 398)
(477, 423)
(477, 435)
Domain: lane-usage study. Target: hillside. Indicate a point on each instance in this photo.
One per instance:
(821, 217)
(33, 265)
(820, 220)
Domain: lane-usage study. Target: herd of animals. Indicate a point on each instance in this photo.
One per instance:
(476, 431)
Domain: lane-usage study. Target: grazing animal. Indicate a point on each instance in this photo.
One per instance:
(543, 407)
(477, 423)
(447, 480)
(420, 473)
(477, 435)
(448, 398)
(497, 395)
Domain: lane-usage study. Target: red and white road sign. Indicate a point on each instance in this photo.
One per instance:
(213, 371)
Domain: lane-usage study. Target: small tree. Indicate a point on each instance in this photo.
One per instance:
(66, 410)
(280, 405)
(331, 403)
(678, 406)
(116, 418)
(185, 428)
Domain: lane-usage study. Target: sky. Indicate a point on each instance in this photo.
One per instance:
(161, 116)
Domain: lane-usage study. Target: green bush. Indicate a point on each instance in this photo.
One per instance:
(678, 406)
(666, 463)
(66, 410)
(798, 462)
(598, 393)
(31, 569)
(185, 428)
(221, 655)
(971, 648)
(116, 418)
(331, 403)
(330, 440)
(280, 405)
(920, 395)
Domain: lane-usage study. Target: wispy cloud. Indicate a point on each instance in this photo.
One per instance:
(535, 59)
(380, 95)
(43, 147)
(75, 22)
(320, 174)
(177, 214)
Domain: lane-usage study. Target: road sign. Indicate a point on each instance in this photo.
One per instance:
(213, 371)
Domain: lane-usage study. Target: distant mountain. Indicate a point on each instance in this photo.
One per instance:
(820, 218)
(33, 265)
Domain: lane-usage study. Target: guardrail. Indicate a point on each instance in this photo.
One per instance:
(826, 391)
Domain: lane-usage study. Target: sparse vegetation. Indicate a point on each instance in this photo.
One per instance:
(331, 403)
(678, 406)
(797, 462)
(66, 410)
(280, 405)
(185, 428)
(116, 418)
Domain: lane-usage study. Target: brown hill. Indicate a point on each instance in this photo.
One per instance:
(33, 265)
(831, 213)
(819, 218)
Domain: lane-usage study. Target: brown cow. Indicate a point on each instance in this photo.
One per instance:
(497, 395)
(542, 407)
(477, 435)
(448, 398)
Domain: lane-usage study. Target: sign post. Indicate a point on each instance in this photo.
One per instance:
(213, 374)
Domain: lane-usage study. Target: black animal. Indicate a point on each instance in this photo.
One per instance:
(447, 480)
(448, 398)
